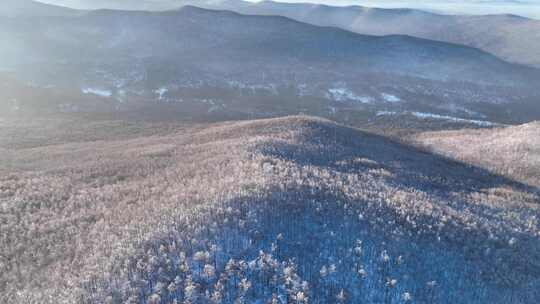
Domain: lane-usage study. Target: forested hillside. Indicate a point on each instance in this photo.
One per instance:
(294, 209)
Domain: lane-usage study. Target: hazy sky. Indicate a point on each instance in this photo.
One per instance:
(529, 8)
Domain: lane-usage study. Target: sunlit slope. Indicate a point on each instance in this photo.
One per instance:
(513, 151)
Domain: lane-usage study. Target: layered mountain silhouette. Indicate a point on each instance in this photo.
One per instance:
(221, 42)
(510, 37)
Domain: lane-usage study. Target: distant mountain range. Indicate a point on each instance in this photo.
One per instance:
(510, 37)
(221, 42)
(221, 57)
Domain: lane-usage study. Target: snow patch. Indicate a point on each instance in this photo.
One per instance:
(386, 113)
(332, 110)
(216, 108)
(161, 92)
(272, 88)
(482, 123)
(424, 115)
(390, 98)
(98, 92)
(344, 94)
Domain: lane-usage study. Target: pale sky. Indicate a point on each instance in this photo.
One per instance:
(528, 8)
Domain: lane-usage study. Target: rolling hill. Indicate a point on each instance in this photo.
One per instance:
(512, 151)
(290, 208)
